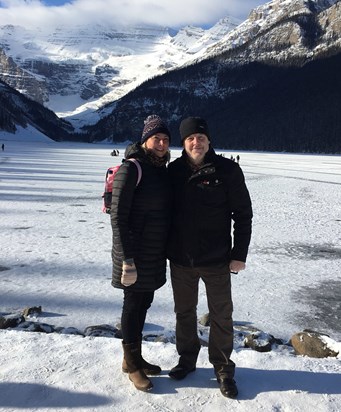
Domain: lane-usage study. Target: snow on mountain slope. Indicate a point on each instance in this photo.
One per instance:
(76, 70)
(277, 17)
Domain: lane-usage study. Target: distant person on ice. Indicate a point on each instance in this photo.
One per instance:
(2, 147)
(209, 192)
(140, 219)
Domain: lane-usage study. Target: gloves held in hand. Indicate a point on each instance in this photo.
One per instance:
(129, 273)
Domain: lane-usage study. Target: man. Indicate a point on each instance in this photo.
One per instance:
(209, 192)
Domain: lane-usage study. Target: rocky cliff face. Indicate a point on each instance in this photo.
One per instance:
(283, 30)
(21, 79)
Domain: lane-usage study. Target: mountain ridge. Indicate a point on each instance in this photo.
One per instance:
(281, 41)
(108, 61)
(223, 87)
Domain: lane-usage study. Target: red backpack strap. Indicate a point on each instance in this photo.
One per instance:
(139, 169)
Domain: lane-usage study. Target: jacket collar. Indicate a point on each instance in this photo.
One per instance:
(208, 159)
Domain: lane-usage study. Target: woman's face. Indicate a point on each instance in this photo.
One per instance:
(158, 144)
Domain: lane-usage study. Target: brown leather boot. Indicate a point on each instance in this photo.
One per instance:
(148, 368)
(132, 356)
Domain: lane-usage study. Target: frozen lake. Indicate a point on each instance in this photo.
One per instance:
(55, 241)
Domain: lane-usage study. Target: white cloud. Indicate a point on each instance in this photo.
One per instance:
(173, 13)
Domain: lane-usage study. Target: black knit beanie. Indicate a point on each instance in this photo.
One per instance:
(193, 125)
(152, 125)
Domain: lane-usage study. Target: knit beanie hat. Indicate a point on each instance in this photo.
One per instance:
(152, 125)
(193, 125)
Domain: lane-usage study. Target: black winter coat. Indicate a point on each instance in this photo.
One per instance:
(140, 219)
(205, 202)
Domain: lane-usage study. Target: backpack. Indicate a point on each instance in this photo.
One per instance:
(109, 180)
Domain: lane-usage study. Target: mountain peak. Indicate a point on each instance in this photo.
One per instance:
(76, 70)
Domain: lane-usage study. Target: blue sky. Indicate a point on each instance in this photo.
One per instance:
(171, 13)
(55, 2)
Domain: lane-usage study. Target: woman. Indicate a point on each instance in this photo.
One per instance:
(140, 217)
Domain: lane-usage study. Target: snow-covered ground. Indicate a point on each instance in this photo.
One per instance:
(55, 252)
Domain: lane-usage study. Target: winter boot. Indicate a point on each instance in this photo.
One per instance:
(148, 368)
(228, 387)
(132, 356)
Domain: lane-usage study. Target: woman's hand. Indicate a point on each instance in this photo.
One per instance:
(129, 273)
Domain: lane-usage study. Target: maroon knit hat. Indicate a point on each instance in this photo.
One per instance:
(152, 125)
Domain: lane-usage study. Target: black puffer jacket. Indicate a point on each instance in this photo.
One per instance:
(205, 201)
(140, 218)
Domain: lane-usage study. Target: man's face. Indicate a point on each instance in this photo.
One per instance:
(196, 146)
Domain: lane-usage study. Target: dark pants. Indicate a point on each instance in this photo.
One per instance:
(185, 283)
(134, 312)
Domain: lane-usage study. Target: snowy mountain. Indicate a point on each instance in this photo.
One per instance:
(18, 112)
(283, 29)
(273, 83)
(282, 63)
(75, 70)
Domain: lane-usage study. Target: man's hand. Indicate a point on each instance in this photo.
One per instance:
(236, 266)
(129, 273)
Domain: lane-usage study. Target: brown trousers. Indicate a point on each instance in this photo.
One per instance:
(185, 283)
